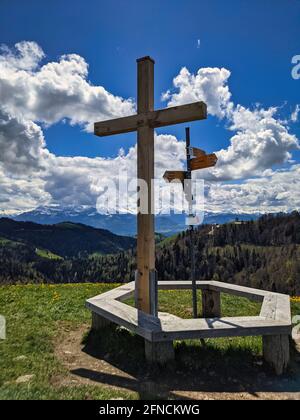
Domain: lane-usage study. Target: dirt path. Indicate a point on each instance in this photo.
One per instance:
(93, 367)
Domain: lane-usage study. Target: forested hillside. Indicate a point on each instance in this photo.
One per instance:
(65, 239)
(263, 253)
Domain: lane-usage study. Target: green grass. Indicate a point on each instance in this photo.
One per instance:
(5, 242)
(179, 303)
(167, 241)
(34, 316)
(70, 225)
(37, 314)
(44, 253)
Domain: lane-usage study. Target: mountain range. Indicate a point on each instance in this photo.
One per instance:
(121, 224)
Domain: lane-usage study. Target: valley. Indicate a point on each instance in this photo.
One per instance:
(261, 254)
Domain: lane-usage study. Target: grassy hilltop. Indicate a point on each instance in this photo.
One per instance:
(39, 360)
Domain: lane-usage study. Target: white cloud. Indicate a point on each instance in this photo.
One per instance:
(55, 91)
(22, 145)
(273, 192)
(295, 114)
(261, 140)
(80, 180)
(208, 85)
(33, 94)
(25, 56)
(21, 193)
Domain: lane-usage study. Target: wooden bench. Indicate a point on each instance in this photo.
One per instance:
(273, 324)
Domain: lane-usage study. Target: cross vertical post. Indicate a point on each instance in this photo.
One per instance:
(145, 172)
(191, 229)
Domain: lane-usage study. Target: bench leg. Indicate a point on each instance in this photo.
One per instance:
(159, 352)
(276, 351)
(211, 304)
(98, 322)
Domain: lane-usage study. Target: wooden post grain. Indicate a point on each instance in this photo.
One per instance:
(159, 353)
(211, 304)
(145, 172)
(99, 322)
(276, 351)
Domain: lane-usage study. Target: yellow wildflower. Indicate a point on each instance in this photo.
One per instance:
(295, 299)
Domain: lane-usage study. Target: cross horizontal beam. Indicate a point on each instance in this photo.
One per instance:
(152, 119)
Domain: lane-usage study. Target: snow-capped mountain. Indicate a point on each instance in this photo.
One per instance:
(121, 224)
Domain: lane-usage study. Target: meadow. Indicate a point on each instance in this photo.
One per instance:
(40, 317)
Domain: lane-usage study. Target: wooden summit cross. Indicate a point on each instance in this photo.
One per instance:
(144, 122)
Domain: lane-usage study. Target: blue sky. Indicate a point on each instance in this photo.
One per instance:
(254, 40)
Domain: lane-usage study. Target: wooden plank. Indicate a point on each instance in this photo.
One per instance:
(276, 351)
(145, 172)
(182, 285)
(189, 329)
(168, 317)
(179, 176)
(152, 119)
(125, 316)
(119, 125)
(119, 293)
(233, 289)
(178, 115)
(283, 309)
(202, 162)
(268, 309)
(169, 328)
(127, 290)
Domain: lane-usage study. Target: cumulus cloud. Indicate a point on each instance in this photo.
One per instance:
(55, 91)
(260, 141)
(81, 180)
(273, 192)
(25, 56)
(22, 145)
(35, 94)
(208, 85)
(21, 193)
(31, 94)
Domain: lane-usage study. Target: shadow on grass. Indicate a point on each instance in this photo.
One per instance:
(197, 368)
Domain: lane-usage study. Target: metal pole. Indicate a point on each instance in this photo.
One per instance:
(191, 227)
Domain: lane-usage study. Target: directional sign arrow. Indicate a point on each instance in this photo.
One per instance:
(202, 162)
(197, 152)
(170, 176)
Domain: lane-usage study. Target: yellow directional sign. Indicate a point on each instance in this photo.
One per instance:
(170, 176)
(202, 162)
(197, 152)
